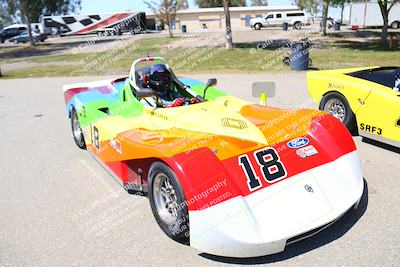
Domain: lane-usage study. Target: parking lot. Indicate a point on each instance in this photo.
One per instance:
(59, 207)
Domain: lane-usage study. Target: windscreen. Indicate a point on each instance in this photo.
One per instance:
(385, 76)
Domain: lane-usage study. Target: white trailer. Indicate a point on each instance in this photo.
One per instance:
(364, 15)
(96, 23)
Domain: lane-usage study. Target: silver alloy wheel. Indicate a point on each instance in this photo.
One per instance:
(165, 199)
(76, 128)
(336, 107)
(395, 25)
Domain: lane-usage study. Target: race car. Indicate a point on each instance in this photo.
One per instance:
(366, 100)
(227, 176)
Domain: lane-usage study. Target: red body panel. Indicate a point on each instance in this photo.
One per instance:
(200, 170)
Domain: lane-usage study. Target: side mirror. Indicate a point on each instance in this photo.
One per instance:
(143, 93)
(211, 82)
(263, 90)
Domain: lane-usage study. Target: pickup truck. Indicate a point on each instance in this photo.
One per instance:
(294, 18)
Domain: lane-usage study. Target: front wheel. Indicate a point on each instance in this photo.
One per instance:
(77, 130)
(168, 202)
(336, 104)
(257, 26)
(395, 25)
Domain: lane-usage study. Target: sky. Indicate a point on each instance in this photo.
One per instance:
(104, 6)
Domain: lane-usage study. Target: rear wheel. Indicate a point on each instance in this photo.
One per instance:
(77, 130)
(395, 25)
(297, 25)
(257, 26)
(336, 104)
(168, 202)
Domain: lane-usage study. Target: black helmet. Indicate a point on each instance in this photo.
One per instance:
(160, 78)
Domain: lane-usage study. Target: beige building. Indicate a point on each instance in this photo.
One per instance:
(212, 18)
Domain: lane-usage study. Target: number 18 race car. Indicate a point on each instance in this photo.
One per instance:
(250, 179)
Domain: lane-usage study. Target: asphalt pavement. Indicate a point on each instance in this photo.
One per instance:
(58, 207)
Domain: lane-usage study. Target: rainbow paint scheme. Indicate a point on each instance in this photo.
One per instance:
(247, 192)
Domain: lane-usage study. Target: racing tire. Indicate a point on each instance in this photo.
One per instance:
(15, 41)
(77, 130)
(167, 202)
(257, 26)
(338, 106)
(395, 25)
(297, 25)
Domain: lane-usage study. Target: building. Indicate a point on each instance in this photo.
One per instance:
(210, 18)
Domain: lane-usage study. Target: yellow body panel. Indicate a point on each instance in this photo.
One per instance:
(233, 127)
(377, 107)
(223, 110)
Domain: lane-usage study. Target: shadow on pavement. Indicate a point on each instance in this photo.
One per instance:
(44, 49)
(335, 231)
(381, 145)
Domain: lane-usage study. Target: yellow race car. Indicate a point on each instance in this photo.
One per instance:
(366, 100)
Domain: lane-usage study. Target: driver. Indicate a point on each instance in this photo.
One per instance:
(162, 82)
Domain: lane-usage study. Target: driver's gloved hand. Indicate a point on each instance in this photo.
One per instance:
(176, 103)
(194, 100)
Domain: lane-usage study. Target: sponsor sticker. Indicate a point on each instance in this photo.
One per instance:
(116, 145)
(298, 142)
(307, 151)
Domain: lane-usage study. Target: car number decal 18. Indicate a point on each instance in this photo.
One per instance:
(272, 169)
(94, 133)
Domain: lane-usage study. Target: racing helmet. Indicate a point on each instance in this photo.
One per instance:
(160, 79)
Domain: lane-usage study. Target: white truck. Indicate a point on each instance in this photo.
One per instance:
(293, 18)
(364, 15)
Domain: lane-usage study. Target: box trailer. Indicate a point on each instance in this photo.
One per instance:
(98, 23)
(364, 15)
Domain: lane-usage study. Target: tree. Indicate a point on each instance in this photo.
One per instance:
(165, 10)
(325, 8)
(5, 17)
(340, 3)
(219, 3)
(226, 4)
(385, 7)
(259, 3)
(31, 10)
(312, 6)
(228, 29)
